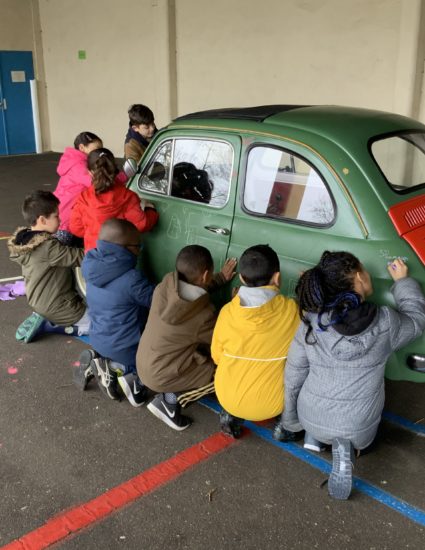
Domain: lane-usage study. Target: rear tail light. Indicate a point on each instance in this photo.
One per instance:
(408, 218)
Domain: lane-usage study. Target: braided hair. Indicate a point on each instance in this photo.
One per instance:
(101, 163)
(328, 287)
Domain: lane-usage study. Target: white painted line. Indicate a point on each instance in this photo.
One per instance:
(11, 279)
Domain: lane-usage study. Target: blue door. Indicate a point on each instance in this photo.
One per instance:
(16, 122)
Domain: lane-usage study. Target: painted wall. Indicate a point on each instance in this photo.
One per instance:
(304, 51)
(16, 15)
(126, 62)
(179, 56)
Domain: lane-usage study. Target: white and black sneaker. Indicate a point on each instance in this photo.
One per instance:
(107, 379)
(84, 372)
(312, 444)
(168, 413)
(133, 389)
(341, 478)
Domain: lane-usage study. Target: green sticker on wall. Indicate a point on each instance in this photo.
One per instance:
(81, 54)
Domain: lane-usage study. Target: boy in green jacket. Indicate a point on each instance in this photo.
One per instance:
(47, 269)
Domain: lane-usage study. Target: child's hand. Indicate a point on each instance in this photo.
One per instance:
(228, 269)
(145, 203)
(397, 269)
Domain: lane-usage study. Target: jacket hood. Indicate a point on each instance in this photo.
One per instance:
(351, 339)
(106, 263)
(69, 159)
(176, 310)
(23, 241)
(254, 307)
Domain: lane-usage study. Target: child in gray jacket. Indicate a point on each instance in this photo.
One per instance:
(334, 376)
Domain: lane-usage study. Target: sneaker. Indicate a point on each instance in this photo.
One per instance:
(341, 478)
(30, 328)
(84, 372)
(280, 434)
(230, 425)
(312, 444)
(106, 378)
(133, 389)
(170, 414)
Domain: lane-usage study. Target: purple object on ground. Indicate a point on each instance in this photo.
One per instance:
(10, 291)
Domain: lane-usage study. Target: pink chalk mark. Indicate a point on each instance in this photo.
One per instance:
(76, 364)
(12, 370)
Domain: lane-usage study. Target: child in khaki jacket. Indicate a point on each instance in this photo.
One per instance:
(174, 350)
(47, 269)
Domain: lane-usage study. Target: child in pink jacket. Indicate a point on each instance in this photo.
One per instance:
(74, 178)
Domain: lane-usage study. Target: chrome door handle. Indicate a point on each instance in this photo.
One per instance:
(218, 230)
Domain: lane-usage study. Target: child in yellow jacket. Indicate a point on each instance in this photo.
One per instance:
(251, 341)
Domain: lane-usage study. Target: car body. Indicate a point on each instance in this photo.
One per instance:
(302, 179)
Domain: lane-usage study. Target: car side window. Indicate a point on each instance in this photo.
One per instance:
(202, 171)
(199, 170)
(155, 177)
(282, 185)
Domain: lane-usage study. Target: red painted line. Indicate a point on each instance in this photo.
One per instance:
(3, 234)
(78, 517)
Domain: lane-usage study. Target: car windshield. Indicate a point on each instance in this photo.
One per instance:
(401, 159)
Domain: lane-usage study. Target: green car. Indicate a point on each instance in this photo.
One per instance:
(302, 179)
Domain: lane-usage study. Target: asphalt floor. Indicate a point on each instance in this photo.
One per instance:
(79, 471)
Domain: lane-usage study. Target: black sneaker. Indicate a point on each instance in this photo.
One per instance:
(133, 389)
(280, 434)
(84, 372)
(170, 414)
(107, 379)
(230, 425)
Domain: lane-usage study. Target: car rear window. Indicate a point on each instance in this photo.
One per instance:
(401, 159)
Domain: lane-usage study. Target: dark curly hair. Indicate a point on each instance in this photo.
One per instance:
(328, 287)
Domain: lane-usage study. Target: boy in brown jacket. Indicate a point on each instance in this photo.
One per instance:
(141, 130)
(174, 351)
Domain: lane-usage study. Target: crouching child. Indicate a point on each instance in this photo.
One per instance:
(251, 341)
(47, 268)
(119, 297)
(174, 352)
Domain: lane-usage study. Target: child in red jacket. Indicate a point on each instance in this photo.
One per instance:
(74, 178)
(107, 198)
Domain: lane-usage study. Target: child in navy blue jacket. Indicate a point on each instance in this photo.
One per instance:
(118, 297)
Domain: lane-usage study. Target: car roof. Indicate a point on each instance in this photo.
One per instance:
(337, 123)
(259, 113)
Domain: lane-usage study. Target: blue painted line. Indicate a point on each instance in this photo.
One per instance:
(419, 429)
(404, 508)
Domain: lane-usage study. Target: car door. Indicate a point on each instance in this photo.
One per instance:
(191, 179)
(290, 199)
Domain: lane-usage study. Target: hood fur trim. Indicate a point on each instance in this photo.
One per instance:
(19, 249)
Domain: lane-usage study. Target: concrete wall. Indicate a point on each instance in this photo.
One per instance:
(179, 56)
(126, 62)
(307, 51)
